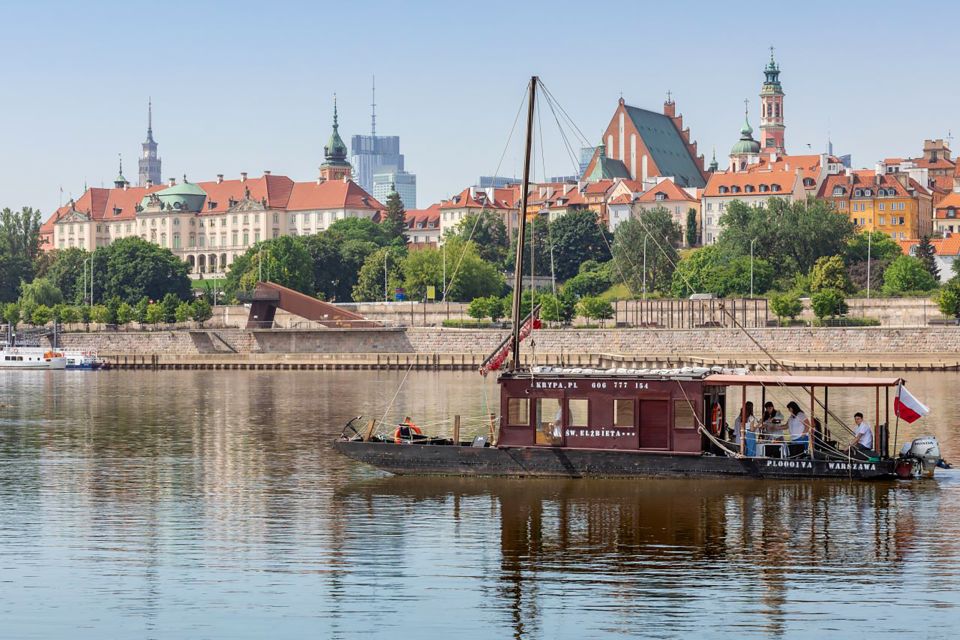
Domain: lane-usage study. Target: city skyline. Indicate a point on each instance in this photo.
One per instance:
(454, 112)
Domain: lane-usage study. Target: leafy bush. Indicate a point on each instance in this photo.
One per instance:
(786, 305)
(907, 273)
(846, 321)
(948, 298)
(42, 314)
(595, 308)
(828, 303)
(829, 273)
(99, 314)
(467, 324)
(183, 312)
(201, 311)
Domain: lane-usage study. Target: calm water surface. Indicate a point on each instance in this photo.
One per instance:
(211, 505)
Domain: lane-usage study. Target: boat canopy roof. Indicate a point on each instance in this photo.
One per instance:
(681, 373)
(769, 380)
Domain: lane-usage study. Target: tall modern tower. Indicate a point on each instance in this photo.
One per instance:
(771, 109)
(371, 155)
(149, 160)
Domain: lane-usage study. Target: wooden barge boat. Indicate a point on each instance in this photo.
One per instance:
(637, 422)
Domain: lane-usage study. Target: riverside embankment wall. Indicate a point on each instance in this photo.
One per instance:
(929, 341)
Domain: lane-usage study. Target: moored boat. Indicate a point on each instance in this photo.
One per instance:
(82, 359)
(31, 358)
(573, 422)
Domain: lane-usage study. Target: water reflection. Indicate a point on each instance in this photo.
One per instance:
(739, 557)
(198, 504)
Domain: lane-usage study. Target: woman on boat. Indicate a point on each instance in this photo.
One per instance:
(798, 427)
(749, 423)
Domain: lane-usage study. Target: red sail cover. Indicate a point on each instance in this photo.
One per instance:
(500, 357)
(908, 408)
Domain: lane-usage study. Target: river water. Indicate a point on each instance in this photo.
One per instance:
(209, 504)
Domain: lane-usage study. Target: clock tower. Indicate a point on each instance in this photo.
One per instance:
(771, 110)
(149, 160)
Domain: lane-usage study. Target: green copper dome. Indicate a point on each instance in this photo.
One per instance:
(185, 196)
(746, 144)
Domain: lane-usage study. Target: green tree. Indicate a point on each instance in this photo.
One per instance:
(828, 303)
(577, 236)
(858, 272)
(201, 311)
(927, 254)
(536, 245)
(479, 308)
(113, 307)
(693, 230)
(488, 232)
(67, 272)
(717, 270)
(469, 276)
(395, 217)
(557, 308)
(170, 303)
(595, 308)
(662, 235)
(11, 313)
(155, 313)
(907, 273)
(40, 291)
(495, 308)
(829, 272)
(588, 283)
(948, 298)
(125, 313)
(42, 314)
(69, 315)
(131, 268)
(140, 310)
(285, 261)
(183, 312)
(786, 305)
(19, 250)
(99, 314)
(370, 281)
(791, 236)
(875, 244)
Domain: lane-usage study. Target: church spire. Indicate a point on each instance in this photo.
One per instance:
(149, 163)
(335, 165)
(120, 182)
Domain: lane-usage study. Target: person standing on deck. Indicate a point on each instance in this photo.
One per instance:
(749, 422)
(797, 426)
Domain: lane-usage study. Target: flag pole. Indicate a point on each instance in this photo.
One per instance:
(896, 427)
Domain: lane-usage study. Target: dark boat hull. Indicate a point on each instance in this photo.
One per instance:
(431, 459)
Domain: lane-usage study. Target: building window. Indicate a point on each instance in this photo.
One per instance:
(882, 220)
(176, 241)
(881, 206)
(233, 238)
(276, 218)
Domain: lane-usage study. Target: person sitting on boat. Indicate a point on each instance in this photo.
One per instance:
(749, 428)
(406, 430)
(798, 427)
(772, 419)
(863, 435)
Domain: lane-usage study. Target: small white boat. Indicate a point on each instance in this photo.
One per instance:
(82, 359)
(31, 358)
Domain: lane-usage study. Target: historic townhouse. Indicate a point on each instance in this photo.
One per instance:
(893, 203)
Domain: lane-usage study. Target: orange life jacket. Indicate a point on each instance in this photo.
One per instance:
(411, 428)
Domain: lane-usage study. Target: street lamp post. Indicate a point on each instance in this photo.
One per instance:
(645, 266)
(869, 247)
(386, 290)
(751, 267)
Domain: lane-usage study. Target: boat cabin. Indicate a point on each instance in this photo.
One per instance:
(680, 411)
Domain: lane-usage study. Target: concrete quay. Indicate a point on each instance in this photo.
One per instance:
(842, 349)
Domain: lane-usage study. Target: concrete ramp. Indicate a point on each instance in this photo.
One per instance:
(268, 297)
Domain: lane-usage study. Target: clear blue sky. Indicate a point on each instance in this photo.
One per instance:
(246, 86)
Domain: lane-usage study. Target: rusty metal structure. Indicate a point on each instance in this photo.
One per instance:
(269, 296)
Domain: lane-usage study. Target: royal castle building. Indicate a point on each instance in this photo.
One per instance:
(208, 224)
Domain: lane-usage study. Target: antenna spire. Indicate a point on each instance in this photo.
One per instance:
(373, 106)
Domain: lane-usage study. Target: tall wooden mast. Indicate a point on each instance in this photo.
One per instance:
(522, 228)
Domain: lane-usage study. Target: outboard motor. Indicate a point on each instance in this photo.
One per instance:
(922, 455)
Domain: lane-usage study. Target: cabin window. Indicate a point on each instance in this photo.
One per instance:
(684, 417)
(579, 409)
(518, 411)
(549, 421)
(623, 413)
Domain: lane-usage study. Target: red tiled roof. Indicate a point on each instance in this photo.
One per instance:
(623, 198)
(867, 179)
(670, 191)
(429, 217)
(330, 194)
(785, 179)
(944, 246)
(505, 198)
(952, 200)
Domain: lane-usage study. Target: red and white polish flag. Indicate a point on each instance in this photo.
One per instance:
(908, 408)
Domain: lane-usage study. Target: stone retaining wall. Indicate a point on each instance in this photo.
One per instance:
(933, 341)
